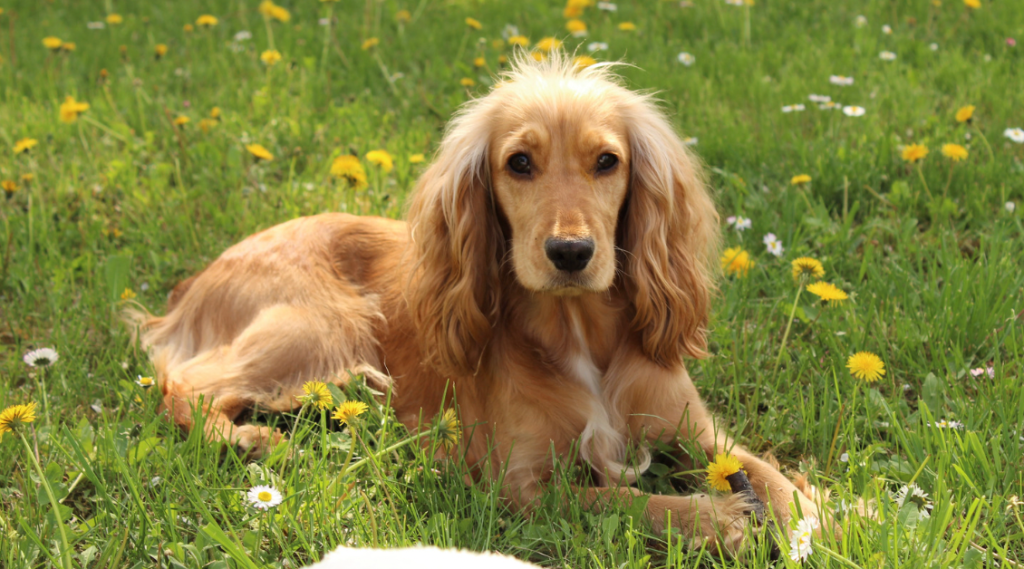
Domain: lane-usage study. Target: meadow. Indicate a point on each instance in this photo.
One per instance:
(879, 138)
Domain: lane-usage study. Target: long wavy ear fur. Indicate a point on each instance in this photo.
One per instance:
(456, 246)
(671, 237)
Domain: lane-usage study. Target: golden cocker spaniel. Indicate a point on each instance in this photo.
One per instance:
(554, 272)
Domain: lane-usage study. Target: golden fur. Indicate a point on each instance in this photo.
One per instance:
(463, 299)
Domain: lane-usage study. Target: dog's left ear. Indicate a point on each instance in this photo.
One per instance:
(670, 232)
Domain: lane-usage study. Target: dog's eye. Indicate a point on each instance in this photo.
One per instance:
(519, 163)
(606, 162)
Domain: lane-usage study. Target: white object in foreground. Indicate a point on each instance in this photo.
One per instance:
(417, 558)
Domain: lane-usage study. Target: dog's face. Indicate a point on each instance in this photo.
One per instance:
(560, 173)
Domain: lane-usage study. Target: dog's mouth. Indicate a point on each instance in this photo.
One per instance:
(569, 284)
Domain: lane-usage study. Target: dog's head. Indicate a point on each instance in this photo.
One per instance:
(572, 179)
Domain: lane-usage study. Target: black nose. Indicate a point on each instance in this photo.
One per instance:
(569, 254)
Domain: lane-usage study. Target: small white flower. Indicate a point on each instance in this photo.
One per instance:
(145, 382)
(775, 248)
(991, 371)
(509, 31)
(967, 136)
(144, 287)
(243, 35)
(819, 98)
(734, 2)
(323, 22)
(799, 107)
(730, 220)
(861, 21)
(913, 494)
(1015, 134)
(933, 46)
(840, 80)
(690, 141)
(845, 457)
(886, 29)
(987, 58)
(768, 238)
(906, 387)
(787, 108)
(743, 223)
(887, 56)
(800, 540)
(607, 6)
(597, 46)
(686, 59)
(263, 497)
(1010, 206)
(155, 480)
(43, 357)
(976, 372)
(95, 25)
(829, 106)
(853, 111)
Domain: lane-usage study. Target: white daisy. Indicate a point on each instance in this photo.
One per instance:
(1015, 134)
(607, 6)
(845, 457)
(829, 106)
(597, 46)
(933, 46)
(886, 29)
(799, 107)
(743, 223)
(1010, 206)
(913, 494)
(95, 25)
(509, 31)
(840, 80)
(323, 22)
(43, 357)
(887, 56)
(819, 98)
(730, 220)
(243, 35)
(787, 109)
(263, 497)
(686, 59)
(768, 238)
(800, 540)
(853, 111)
(775, 248)
(976, 372)
(861, 21)
(145, 382)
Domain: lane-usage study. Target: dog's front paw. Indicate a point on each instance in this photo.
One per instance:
(724, 524)
(257, 441)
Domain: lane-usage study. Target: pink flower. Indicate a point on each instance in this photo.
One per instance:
(1011, 42)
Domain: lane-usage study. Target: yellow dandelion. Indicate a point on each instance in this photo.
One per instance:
(627, 26)
(270, 57)
(800, 179)
(964, 114)
(866, 366)
(317, 394)
(9, 186)
(68, 46)
(53, 43)
(70, 109)
(502, 59)
(521, 41)
(15, 416)
(188, 28)
(479, 62)
(538, 56)
(973, 4)
(206, 125)
(259, 152)
(724, 465)
(372, 42)
(24, 145)
(475, 24)
(205, 21)
(160, 50)
(828, 292)
(403, 16)
(128, 294)
(736, 261)
(348, 167)
(954, 152)
(576, 27)
(215, 113)
(583, 61)
(381, 158)
(273, 11)
(806, 266)
(416, 158)
(549, 44)
(349, 410)
(466, 82)
(448, 429)
(914, 152)
(28, 177)
(114, 19)
(574, 8)
(182, 120)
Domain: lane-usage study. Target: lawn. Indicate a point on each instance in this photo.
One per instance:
(117, 202)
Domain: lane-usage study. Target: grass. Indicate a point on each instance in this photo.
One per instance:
(124, 198)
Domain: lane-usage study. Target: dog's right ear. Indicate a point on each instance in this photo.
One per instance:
(456, 246)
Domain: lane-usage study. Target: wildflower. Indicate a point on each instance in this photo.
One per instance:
(15, 416)
(627, 26)
(259, 152)
(448, 429)
(887, 56)
(28, 177)
(933, 46)
(521, 41)
(913, 494)
(1015, 134)
(548, 44)
(181, 120)
(827, 292)
(273, 11)
(70, 109)
(403, 16)
(206, 125)
(380, 158)
(145, 382)
(686, 59)
(886, 29)
(944, 424)
(861, 21)
(736, 261)
(800, 540)
(866, 366)
(475, 24)
(479, 62)
(188, 27)
(914, 152)
(160, 50)
(690, 141)
(128, 294)
(800, 179)
(348, 167)
(205, 21)
(1011, 42)
(466, 82)
(719, 471)
(243, 35)
(416, 158)
(215, 113)
(576, 27)
(574, 8)
(597, 46)
(819, 98)
(9, 186)
(270, 57)
(853, 111)
(263, 497)
(43, 357)
(607, 7)
(95, 25)
(349, 410)
(964, 114)
(317, 394)
(68, 46)
(840, 80)
(371, 42)
(743, 223)
(24, 145)
(52, 43)
(977, 372)
(973, 4)
(954, 152)
(806, 266)
(584, 61)
(114, 19)
(1010, 207)
(775, 248)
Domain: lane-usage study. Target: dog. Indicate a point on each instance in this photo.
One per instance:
(554, 272)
